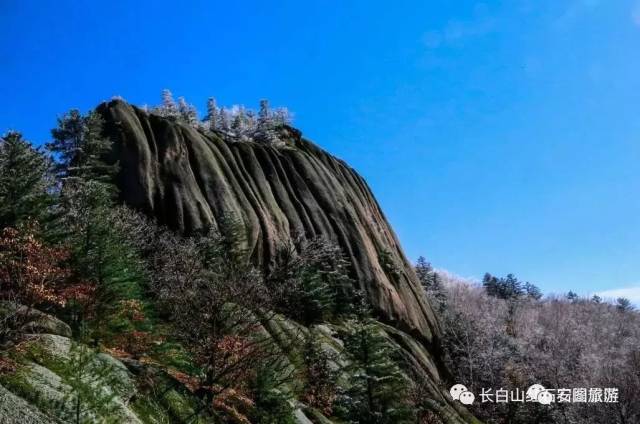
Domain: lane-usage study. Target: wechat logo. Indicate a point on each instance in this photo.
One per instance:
(537, 393)
(460, 392)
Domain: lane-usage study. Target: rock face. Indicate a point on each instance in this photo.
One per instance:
(188, 180)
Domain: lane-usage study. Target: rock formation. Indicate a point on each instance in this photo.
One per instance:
(189, 179)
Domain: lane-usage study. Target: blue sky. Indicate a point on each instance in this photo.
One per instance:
(498, 136)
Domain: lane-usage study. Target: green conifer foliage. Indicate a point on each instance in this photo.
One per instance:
(25, 182)
(272, 404)
(377, 388)
(81, 148)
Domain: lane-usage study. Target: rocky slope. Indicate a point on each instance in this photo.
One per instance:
(189, 179)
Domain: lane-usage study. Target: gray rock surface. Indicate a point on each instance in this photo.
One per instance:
(36, 321)
(15, 410)
(188, 180)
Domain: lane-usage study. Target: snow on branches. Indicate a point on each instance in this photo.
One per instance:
(236, 121)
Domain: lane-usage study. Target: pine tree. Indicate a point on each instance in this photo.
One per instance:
(312, 285)
(99, 249)
(25, 181)
(377, 392)
(238, 126)
(623, 304)
(431, 283)
(265, 127)
(423, 271)
(532, 291)
(187, 112)
(264, 114)
(503, 288)
(80, 147)
(213, 114)
(251, 120)
(87, 377)
(225, 120)
(272, 404)
(168, 107)
(282, 116)
(102, 254)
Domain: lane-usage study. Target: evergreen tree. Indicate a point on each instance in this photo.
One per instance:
(265, 127)
(623, 304)
(264, 114)
(251, 121)
(312, 285)
(282, 116)
(213, 114)
(490, 284)
(431, 283)
(239, 124)
(423, 271)
(377, 388)
(512, 288)
(503, 288)
(187, 112)
(225, 120)
(87, 377)
(80, 147)
(272, 404)
(532, 291)
(102, 254)
(572, 296)
(25, 182)
(168, 107)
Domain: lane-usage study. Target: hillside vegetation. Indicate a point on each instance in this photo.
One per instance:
(503, 334)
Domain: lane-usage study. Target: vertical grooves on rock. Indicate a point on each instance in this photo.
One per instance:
(189, 180)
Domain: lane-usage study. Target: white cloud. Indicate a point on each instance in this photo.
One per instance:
(632, 293)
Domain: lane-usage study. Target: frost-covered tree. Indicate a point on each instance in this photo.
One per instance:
(168, 107)
(213, 114)
(236, 121)
(555, 341)
(431, 282)
(239, 124)
(225, 120)
(265, 126)
(282, 116)
(187, 112)
(264, 114)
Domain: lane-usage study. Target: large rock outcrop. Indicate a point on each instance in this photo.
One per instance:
(189, 179)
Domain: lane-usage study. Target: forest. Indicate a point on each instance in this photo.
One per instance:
(503, 333)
